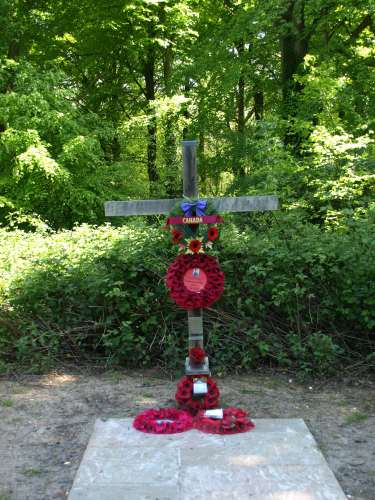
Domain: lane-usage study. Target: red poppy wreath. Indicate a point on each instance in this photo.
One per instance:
(163, 421)
(202, 292)
(185, 396)
(234, 421)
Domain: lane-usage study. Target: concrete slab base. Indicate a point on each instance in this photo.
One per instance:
(278, 460)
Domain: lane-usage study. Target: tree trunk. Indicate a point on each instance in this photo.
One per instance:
(258, 104)
(153, 175)
(149, 76)
(201, 148)
(116, 149)
(294, 47)
(241, 106)
(172, 186)
(240, 111)
(185, 112)
(14, 50)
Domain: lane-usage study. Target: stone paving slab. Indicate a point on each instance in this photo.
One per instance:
(278, 460)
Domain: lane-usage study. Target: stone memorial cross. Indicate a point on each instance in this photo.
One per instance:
(190, 190)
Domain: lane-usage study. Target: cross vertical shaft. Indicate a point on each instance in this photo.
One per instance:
(190, 177)
(191, 190)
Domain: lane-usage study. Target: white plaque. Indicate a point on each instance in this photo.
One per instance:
(218, 413)
(200, 387)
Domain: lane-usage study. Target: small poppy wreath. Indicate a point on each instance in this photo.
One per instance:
(212, 289)
(163, 421)
(185, 396)
(195, 237)
(234, 421)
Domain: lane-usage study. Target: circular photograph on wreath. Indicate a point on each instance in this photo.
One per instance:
(195, 281)
(163, 421)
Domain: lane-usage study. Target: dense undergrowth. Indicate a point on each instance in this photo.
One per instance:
(296, 296)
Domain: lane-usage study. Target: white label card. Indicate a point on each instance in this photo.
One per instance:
(218, 413)
(200, 388)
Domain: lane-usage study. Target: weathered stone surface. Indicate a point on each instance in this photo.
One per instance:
(228, 204)
(279, 460)
(129, 492)
(130, 465)
(259, 482)
(202, 369)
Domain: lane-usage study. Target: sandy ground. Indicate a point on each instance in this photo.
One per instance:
(46, 421)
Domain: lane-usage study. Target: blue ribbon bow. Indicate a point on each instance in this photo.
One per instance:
(199, 206)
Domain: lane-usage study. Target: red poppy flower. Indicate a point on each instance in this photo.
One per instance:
(197, 355)
(195, 246)
(177, 235)
(212, 234)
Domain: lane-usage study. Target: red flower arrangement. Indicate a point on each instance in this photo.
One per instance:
(188, 299)
(177, 236)
(185, 396)
(195, 246)
(163, 421)
(194, 225)
(212, 234)
(234, 421)
(197, 355)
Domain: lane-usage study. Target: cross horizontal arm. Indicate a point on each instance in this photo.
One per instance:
(228, 204)
(246, 203)
(139, 207)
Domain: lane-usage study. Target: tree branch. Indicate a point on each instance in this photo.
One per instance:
(249, 114)
(312, 28)
(366, 21)
(332, 32)
(131, 69)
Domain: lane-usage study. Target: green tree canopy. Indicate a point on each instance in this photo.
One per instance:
(95, 97)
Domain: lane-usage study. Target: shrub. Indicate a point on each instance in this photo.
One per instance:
(295, 296)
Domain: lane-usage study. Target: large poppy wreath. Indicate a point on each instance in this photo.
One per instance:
(163, 421)
(209, 292)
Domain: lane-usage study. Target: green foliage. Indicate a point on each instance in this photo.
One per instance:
(56, 161)
(94, 100)
(32, 472)
(356, 416)
(295, 296)
(7, 403)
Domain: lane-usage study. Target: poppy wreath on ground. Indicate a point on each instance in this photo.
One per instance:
(192, 299)
(234, 421)
(185, 396)
(163, 421)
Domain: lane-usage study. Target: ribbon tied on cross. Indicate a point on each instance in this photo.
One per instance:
(198, 207)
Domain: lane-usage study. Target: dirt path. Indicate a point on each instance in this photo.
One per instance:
(46, 421)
